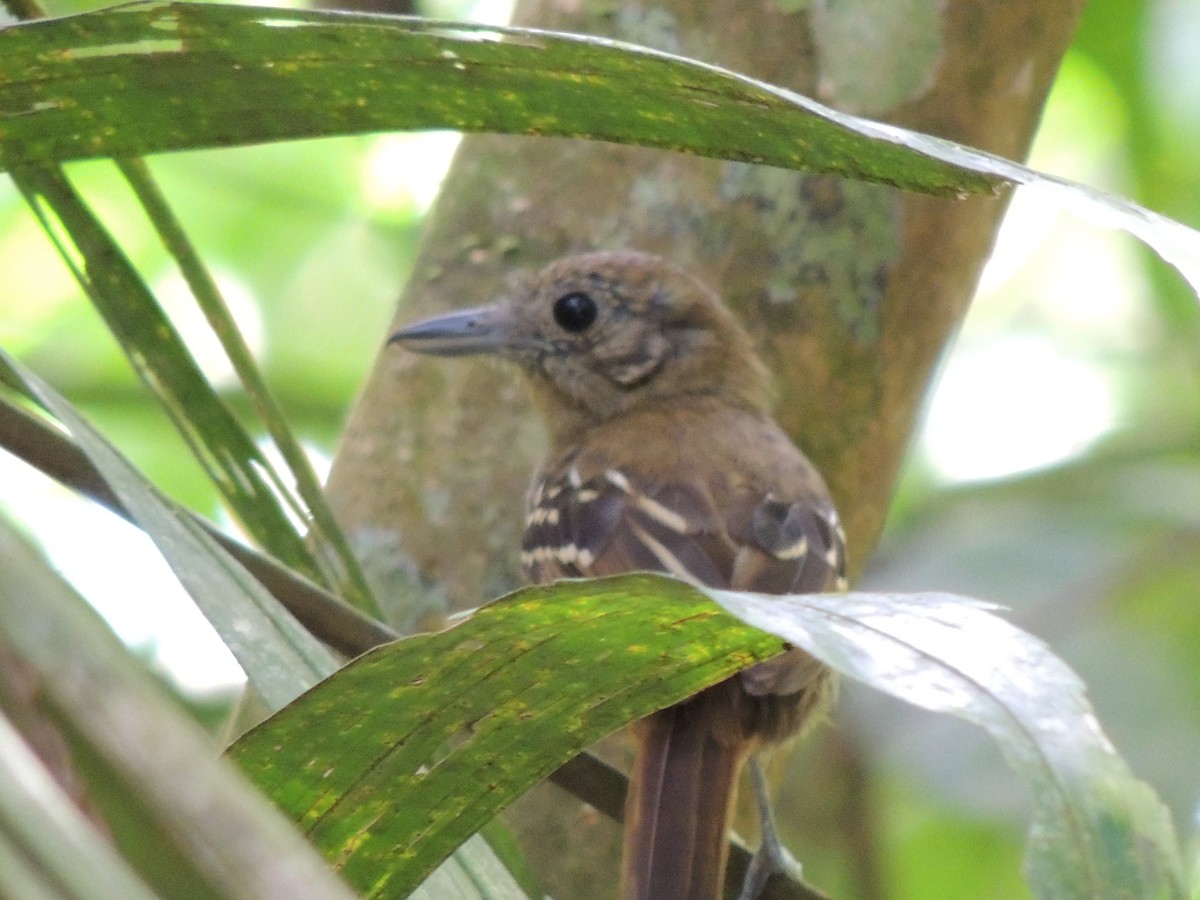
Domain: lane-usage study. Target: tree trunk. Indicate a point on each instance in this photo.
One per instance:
(851, 290)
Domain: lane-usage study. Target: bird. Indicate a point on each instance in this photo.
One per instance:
(663, 456)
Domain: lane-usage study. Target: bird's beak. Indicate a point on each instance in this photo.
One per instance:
(485, 329)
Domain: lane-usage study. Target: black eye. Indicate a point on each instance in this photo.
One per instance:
(575, 311)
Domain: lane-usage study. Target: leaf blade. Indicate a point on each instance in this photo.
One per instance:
(280, 658)
(247, 74)
(368, 803)
(53, 849)
(331, 552)
(513, 716)
(233, 462)
(1097, 831)
(151, 77)
(197, 804)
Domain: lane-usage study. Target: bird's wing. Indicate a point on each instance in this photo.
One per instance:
(611, 523)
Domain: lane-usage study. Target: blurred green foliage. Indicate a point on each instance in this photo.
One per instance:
(1099, 553)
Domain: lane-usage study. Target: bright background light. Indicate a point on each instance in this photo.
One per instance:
(1028, 382)
(1013, 404)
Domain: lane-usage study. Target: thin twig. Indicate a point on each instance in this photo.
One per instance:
(331, 620)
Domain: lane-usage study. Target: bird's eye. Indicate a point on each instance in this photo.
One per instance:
(575, 311)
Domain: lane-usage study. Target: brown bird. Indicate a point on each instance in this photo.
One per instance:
(663, 457)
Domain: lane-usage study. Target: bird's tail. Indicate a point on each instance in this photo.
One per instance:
(677, 812)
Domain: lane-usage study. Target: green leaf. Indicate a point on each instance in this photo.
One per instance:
(409, 750)
(276, 666)
(279, 657)
(231, 459)
(1097, 831)
(326, 617)
(47, 848)
(191, 806)
(331, 552)
(361, 761)
(150, 77)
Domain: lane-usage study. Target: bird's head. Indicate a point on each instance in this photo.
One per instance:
(603, 334)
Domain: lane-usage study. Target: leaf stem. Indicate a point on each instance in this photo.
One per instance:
(332, 551)
(329, 619)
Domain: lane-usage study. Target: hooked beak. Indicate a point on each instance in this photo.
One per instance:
(485, 329)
